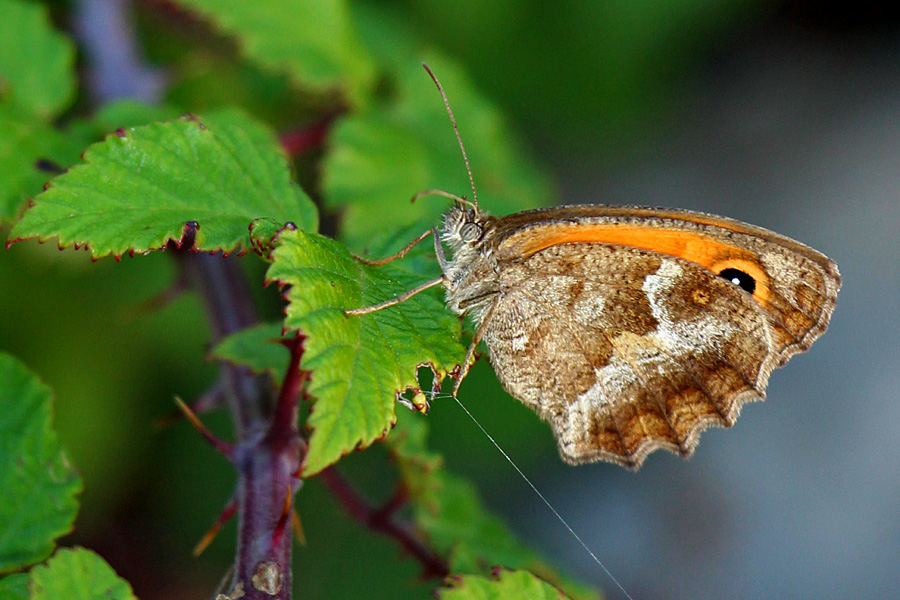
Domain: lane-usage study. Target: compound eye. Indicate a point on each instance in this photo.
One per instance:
(470, 232)
(739, 278)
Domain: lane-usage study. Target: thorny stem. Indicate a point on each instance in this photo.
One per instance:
(268, 463)
(381, 520)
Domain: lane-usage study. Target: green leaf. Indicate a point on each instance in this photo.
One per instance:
(137, 190)
(258, 348)
(314, 41)
(26, 139)
(78, 574)
(379, 159)
(36, 62)
(506, 584)
(37, 484)
(15, 587)
(358, 363)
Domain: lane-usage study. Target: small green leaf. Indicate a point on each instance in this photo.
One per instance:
(15, 587)
(313, 41)
(138, 189)
(379, 159)
(358, 363)
(78, 574)
(258, 348)
(27, 143)
(37, 484)
(36, 62)
(506, 584)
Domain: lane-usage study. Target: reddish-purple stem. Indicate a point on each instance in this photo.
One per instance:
(267, 450)
(284, 416)
(303, 140)
(381, 519)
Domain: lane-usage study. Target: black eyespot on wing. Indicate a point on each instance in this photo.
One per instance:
(739, 278)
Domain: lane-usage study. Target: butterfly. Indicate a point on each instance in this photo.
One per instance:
(628, 329)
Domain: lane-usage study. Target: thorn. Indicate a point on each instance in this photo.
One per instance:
(282, 520)
(297, 526)
(220, 445)
(210, 400)
(210, 535)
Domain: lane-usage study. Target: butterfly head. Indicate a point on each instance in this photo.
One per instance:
(464, 226)
(470, 275)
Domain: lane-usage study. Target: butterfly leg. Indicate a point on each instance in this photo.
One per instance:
(439, 251)
(395, 301)
(479, 333)
(442, 260)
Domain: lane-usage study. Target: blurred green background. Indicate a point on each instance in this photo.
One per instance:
(757, 109)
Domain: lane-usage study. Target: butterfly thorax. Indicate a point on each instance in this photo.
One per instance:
(470, 276)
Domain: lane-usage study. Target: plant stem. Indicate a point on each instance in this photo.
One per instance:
(229, 308)
(298, 141)
(381, 519)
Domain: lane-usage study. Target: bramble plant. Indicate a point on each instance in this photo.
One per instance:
(208, 181)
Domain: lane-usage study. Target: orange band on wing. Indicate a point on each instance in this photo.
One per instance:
(688, 245)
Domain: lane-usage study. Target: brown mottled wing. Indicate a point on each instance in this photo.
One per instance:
(625, 351)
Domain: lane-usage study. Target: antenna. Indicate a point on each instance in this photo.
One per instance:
(456, 131)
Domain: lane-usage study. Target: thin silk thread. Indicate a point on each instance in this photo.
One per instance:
(542, 497)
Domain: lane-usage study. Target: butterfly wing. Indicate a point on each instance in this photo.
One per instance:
(625, 350)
